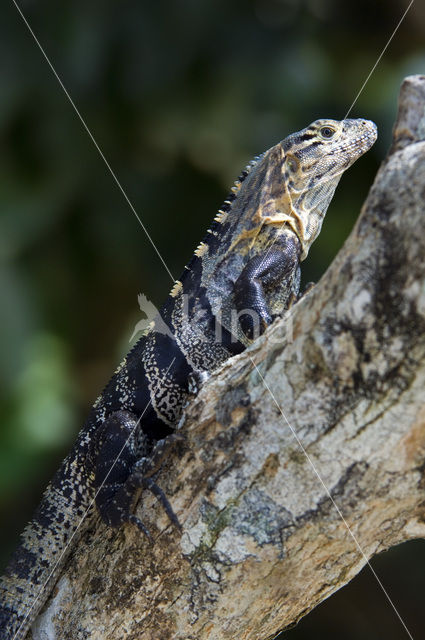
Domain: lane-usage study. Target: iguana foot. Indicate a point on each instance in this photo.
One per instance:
(122, 469)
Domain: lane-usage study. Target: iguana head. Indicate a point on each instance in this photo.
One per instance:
(313, 161)
(288, 187)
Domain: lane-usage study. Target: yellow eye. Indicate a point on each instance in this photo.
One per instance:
(327, 132)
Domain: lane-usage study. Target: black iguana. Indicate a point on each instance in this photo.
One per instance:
(244, 274)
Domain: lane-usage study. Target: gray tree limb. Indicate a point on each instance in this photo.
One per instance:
(304, 457)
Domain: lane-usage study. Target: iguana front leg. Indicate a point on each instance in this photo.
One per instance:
(125, 463)
(273, 269)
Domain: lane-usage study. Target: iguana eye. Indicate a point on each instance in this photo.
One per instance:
(326, 132)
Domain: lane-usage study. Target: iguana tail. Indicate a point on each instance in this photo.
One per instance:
(46, 542)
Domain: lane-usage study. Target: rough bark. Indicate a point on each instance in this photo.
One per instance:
(274, 522)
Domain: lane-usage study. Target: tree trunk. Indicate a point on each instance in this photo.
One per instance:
(304, 456)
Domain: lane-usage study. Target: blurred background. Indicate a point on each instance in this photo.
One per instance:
(179, 95)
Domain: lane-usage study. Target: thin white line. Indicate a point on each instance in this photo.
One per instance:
(378, 60)
(45, 583)
(117, 182)
(319, 477)
(160, 257)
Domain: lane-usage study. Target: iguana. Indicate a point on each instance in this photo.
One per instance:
(244, 274)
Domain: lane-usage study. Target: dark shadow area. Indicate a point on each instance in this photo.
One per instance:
(361, 610)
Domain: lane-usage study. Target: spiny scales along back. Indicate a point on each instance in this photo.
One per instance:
(244, 274)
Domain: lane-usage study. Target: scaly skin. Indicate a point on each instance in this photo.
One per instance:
(244, 274)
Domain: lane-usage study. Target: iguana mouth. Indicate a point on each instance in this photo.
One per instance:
(364, 141)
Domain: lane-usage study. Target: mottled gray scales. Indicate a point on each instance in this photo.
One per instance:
(244, 273)
(165, 393)
(195, 338)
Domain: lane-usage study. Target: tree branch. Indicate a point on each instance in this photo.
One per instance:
(274, 522)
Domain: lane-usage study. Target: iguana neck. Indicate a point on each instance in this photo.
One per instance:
(311, 207)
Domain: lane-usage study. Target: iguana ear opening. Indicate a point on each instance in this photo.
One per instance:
(292, 164)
